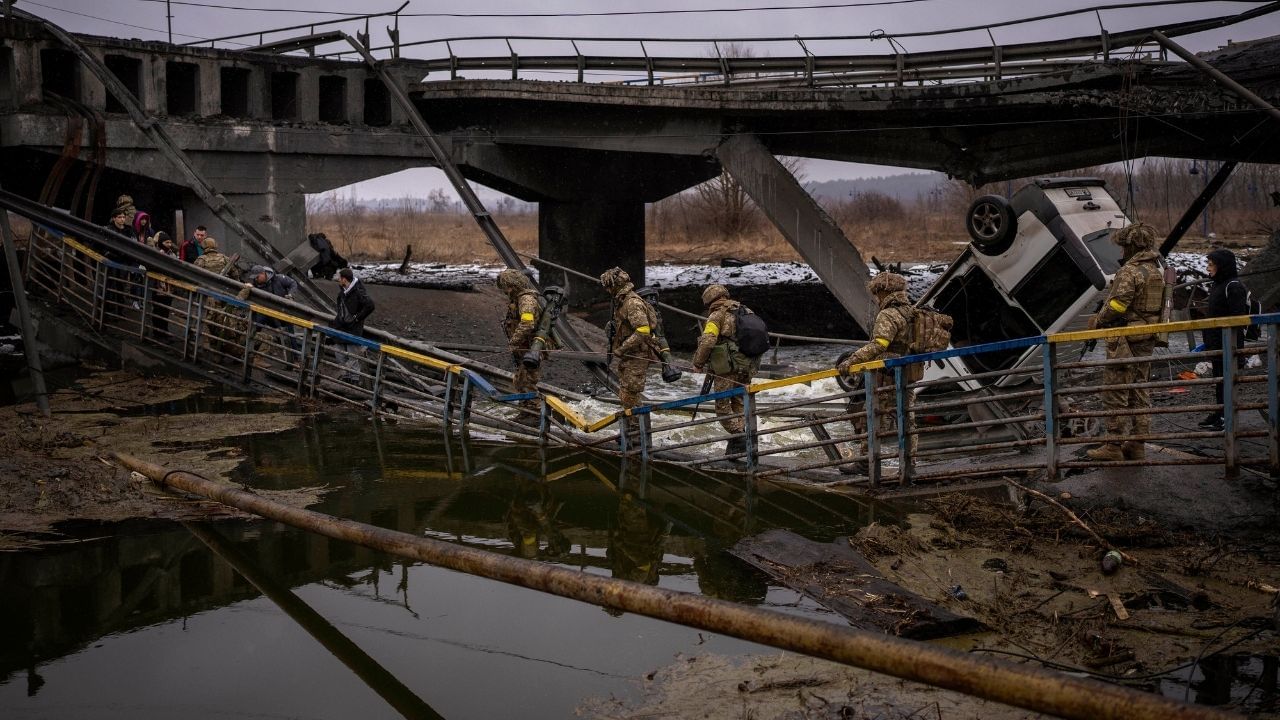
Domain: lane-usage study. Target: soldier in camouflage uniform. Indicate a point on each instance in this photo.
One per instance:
(1136, 297)
(523, 314)
(212, 260)
(225, 325)
(731, 367)
(890, 337)
(633, 343)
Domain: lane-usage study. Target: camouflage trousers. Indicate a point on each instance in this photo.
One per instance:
(525, 379)
(1120, 393)
(730, 409)
(631, 382)
(886, 415)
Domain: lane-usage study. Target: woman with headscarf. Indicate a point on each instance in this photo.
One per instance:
(1227, 297)
(142, 227)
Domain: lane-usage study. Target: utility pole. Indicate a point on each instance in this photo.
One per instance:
(168, 16)
(8, 8)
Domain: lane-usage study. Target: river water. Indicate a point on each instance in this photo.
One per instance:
(149, 620)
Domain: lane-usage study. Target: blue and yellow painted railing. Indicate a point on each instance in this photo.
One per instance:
(474, 382)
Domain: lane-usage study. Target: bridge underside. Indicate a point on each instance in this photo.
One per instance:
(980, 132)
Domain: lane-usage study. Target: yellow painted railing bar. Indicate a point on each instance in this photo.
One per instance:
(416, 357)
(603, 422)
(171, 281)
(811, 377)
(282, 316)
(569, 413)
(1170, 327)
(83, 248)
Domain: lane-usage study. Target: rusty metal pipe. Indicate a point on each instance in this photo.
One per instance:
(1021, 686)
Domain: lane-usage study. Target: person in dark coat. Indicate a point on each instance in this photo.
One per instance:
(1227, 297)
(268, 280)
(328, 261)
(353, 306)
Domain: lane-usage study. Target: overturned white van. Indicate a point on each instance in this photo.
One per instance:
(1037, 262)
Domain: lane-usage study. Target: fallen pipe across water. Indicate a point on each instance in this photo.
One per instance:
(1022, 686)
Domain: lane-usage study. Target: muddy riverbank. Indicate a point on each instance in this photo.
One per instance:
(57, 470)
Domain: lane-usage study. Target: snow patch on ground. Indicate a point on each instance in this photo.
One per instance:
(920, 276)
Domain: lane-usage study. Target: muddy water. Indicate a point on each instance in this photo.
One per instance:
(260, 620)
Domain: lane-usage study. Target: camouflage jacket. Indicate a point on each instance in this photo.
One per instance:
(891, 332)
(721, 327)
(1137, 293)
(522, 319)
(633, 321)
(213, 261)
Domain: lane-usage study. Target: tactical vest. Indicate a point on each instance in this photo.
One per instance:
(625, 329)
(1149, 301)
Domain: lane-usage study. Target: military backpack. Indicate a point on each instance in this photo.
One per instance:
(930, 331)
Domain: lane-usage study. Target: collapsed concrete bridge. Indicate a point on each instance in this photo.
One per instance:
(267, 129)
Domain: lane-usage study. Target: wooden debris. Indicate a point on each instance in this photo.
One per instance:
(1073, 518)
(1117, 606)
(840, 578)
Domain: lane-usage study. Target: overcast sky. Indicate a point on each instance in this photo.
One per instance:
(193, 20)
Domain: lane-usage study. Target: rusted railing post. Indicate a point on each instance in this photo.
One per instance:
(378, 369)
(749, 428)
(1049, 372)
(1273, 396)
(449, 378)
(199, 327)
(1230, 449)
(900, 390)
(146, 305)
(464, 415)
(246, 361)
(873, 438)
(302, 360)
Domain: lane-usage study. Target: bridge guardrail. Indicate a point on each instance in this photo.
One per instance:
(251, 344)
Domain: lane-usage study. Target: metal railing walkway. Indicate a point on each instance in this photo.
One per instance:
(922, 430)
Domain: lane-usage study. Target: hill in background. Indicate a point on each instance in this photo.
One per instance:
(906, 188)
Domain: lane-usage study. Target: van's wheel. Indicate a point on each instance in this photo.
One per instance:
(991, 224)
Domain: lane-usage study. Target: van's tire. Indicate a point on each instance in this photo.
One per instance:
(991, 224)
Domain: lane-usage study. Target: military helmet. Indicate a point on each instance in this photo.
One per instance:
(513, 281)
(885, 283)
(714, 293)
(614, 278)
(209, 244)
(1140, 235)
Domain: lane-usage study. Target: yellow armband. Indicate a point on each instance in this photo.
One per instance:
(526, 317)
(882, 342)
(711, 329)
(1117, 306)
(643, 329)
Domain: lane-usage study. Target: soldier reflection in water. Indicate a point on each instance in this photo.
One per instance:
(636, 542)
(531, 519)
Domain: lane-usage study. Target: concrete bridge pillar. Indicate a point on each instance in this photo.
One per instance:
(591, 237)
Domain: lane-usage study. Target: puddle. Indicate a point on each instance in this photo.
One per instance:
(1246, 682)
(259, 619)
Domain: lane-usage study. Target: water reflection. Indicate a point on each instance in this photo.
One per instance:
(136, 586)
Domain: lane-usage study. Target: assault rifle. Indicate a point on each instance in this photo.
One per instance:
(706, 388)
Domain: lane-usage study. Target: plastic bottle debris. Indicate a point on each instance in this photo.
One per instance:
(958, 593)
(1111, 562)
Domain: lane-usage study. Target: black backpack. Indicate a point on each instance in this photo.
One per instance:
(751, 335)
(1254, 331)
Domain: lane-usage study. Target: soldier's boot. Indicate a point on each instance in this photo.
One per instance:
(1137, 449)
(1106, 452)
(736, 446)
(1134, 450)
(530, 413)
